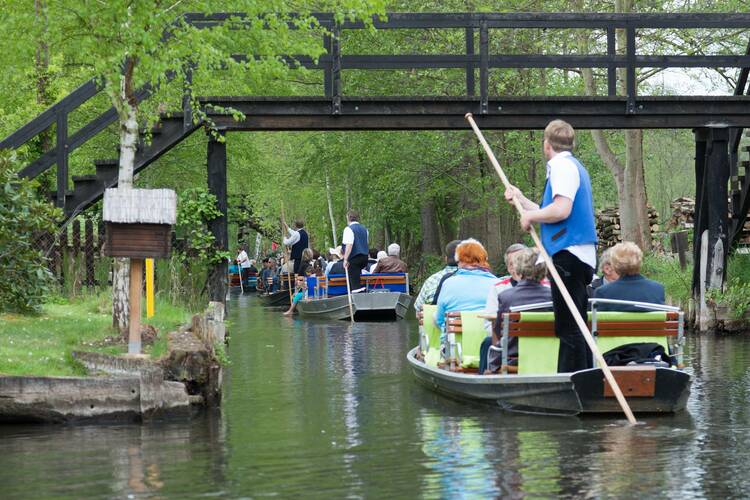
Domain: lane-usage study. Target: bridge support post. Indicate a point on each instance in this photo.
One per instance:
(710, 239)
(216, 163)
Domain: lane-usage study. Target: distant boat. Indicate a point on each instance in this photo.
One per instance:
(386, 297)
(530, 383)
(249, 285)
(278, 298)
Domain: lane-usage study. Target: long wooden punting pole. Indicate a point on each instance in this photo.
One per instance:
(287, 254)
(558, 281)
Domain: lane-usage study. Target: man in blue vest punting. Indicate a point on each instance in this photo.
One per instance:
(297, 238)
(568, 231)
(355, 246)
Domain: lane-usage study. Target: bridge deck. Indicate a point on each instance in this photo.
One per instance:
(436, 113)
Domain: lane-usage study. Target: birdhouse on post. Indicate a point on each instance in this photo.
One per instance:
(138, 225)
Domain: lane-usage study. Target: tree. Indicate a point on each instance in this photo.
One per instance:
(130, 43)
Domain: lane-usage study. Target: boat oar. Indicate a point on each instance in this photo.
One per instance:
(349, 294)
(558, 281)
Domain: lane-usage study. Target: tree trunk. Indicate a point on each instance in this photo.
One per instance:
(128, 142)
(629, 177)
(473, 223)
(430, 237)
(120, 301)
(42, 69)
(329, 199)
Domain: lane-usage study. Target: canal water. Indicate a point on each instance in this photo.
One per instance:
(330, 410)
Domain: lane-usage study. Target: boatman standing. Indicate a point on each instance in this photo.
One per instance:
(297, 238)
(568, 231)
(355, 246)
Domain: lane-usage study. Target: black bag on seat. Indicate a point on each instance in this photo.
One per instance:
(637, 353)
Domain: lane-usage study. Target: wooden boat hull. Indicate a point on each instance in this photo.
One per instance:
(275, 299)
(372, 306)
(555, 394)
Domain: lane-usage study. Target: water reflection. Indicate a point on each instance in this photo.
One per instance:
(329, 409)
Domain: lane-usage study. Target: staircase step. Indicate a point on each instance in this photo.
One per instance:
(84, 178)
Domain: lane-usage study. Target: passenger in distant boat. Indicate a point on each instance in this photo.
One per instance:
(307, 263)
(300, 286)
(467, 289)
(354, 244)
(298, 240)
(372, 259)
(319, 264)
(608, 274)
(529, 273)
(336, 264)
(244, 263)
(253, 269)
(626, 260)
(268, 273)
(429, 292)
(503, 284)
(392, 263)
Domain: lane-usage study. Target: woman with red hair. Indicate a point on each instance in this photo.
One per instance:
(467, 289)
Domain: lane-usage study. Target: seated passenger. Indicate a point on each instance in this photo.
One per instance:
(607, 272)
(529, 290)
(336, 264)
(503, 284)
(467, 289)
(626, 260)
(299, 294)
(392, 263)
(372, 259)
(430, 289)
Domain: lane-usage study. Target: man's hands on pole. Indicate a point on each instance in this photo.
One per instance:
(511, 194)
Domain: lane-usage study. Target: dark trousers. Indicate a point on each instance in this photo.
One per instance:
(574, 353)
(245, 274)
(297, 265)
(356, 264)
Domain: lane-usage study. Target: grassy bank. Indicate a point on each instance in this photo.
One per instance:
(42, 344)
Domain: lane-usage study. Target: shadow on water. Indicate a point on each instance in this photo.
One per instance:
(330, 409)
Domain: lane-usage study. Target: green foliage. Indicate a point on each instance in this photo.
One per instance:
(196, 208)
(25, 279)
(666, 270)
(735, 297)
(41, 344)
(220, 353)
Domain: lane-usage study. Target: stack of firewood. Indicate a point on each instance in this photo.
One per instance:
(683, 210)
(610, 231)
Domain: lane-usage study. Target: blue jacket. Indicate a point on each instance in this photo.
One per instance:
(466, 290)
(634, 287)
(578, 228)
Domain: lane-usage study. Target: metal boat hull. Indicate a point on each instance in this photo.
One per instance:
(374, 306)
(555, 394)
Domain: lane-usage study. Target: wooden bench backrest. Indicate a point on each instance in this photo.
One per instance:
(538, 345)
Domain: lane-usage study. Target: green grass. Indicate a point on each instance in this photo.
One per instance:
(666, 270)
(42, 344)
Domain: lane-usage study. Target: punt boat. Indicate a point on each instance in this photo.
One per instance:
(278, 298)
(234, 278)
(386, 297)
(530, 382)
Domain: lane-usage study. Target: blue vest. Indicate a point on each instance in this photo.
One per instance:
(360, 240)
(579, 228)
(300, 246)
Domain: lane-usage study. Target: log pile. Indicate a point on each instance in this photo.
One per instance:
(609, 230)
(683, 210)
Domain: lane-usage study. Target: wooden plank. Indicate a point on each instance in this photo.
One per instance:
(634, 381)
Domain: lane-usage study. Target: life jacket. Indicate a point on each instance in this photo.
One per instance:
(579, 228)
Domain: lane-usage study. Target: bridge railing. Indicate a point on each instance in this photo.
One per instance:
(472, 58)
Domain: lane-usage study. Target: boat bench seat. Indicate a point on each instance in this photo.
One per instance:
(429, 330)
(335, 284)
(538, 346)
(468, 327)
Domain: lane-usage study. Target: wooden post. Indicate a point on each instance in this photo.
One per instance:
(700, 218)
(149, 288)
(717, 205)
(679, 243)
(89, 251)
(136, 282)
(216, 163)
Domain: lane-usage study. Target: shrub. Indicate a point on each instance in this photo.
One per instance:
(25, 279)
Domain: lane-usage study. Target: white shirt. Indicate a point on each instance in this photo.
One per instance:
(565, 180)
(242, 258)
(292, 238)
(348, 238)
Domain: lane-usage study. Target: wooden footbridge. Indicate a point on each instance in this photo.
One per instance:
(718, 121)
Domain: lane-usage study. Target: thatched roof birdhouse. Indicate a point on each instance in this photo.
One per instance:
(139, 222)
